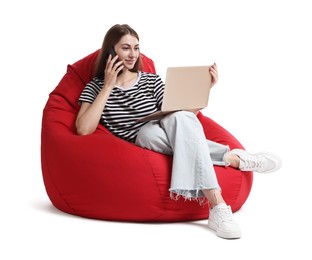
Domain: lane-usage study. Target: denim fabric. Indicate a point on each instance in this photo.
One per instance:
(181, 135)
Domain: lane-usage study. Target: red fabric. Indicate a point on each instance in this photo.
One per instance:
(104, 177)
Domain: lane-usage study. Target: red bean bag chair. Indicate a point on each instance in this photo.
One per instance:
(101, 176)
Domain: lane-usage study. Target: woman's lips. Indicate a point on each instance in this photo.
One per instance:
(130, 62)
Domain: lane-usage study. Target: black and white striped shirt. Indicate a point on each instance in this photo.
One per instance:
(125, 106)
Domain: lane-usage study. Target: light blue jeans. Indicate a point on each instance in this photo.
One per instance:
(181, 135)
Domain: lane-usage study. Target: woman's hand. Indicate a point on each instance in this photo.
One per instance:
(112, 68)
(214, 74)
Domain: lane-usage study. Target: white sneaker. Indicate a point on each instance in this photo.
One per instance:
(221, 220)
(258, 162)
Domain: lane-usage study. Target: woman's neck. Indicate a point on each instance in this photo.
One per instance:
(126, 79)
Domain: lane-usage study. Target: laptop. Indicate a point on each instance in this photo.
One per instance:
(186, 88)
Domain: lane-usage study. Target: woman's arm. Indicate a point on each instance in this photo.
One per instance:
(89, 115)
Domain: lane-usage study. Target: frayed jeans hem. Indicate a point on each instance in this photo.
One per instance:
(190, 195)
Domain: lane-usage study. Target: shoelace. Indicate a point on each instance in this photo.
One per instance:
(253, 163)
(226, 214)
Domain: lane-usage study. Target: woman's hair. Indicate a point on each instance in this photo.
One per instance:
(112, 37)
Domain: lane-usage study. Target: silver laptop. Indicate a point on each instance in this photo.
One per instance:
(186, 88)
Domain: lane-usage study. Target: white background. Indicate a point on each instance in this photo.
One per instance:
(263, 97)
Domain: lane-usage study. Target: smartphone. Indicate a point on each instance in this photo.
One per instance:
(112, 52)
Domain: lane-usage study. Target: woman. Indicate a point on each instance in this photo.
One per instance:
(120, 94)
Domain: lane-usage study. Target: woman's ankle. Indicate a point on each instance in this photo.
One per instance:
(232, 159)
(214, 197)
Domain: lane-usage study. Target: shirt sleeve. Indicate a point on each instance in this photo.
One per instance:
(90, 91)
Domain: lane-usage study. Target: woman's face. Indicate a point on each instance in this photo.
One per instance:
(128, 50)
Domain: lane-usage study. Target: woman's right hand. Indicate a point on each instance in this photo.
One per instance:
(112, 68)
(89, 115)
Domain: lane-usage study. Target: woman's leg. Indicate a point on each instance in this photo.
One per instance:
(153, 137)
(192, 167)
(193, 175)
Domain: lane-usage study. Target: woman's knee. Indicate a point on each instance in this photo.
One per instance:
(180, 117)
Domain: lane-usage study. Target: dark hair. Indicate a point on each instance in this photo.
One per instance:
(112, 37)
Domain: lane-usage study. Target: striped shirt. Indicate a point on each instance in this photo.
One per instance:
(125, 106)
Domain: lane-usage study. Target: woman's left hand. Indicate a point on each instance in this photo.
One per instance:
(214, 74)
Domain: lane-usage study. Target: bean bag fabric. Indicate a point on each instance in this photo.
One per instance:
(104, 177)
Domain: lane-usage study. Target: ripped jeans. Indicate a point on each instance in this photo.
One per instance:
(181, 135)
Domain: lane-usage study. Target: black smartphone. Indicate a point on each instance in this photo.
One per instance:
(112, 52)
